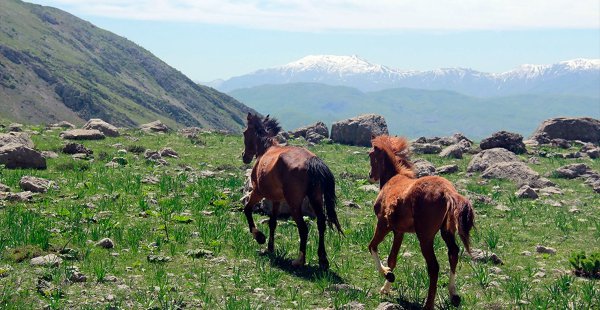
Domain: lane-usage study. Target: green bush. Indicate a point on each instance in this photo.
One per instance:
(584, 265)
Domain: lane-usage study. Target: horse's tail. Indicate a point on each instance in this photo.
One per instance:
(463, 215)
(320, 175)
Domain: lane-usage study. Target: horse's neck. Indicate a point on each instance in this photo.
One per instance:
(262, 149)
(387, 172)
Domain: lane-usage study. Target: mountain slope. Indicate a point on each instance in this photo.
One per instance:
(574, 77)
(413, 112)
(55, 66)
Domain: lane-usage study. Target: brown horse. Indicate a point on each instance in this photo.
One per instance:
(422, 206)
(288, 173)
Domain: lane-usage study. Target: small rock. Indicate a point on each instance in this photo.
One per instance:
(34, 184)
(168, 152)
(495, 270)
(76, 148)
(112, 164)
(82, 134)
(106, 243)
(386, 305)
(539, 274)
(526, 253)
(526, 192)
(370, 188)
(158, 258)
(350, 204)
(353, 305)
(198, 253)
(485, 256)
(15, 127)
(120, 160)
(150, 180)
(447, 169)
(50, 260)
(550, 190)
(4, 188)
(110, 278)
(156, 126)
(49, 154)
(545, 250)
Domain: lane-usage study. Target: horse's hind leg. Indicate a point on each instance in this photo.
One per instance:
(253, 200)
(272, 226)
(316, 201)
(453, 258)
(381, 231)
(433, 268)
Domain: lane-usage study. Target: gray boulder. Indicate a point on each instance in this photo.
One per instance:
(15, 155)
(425, 148)
(76, 148)
(573, 171)
(585, 129)
(358, 130)
(447, 169)
(318, 128)
(456, 150)
(504, 139)
(82, 134)
(526, 192)
(517, 172)
(423, 168)
(104, 127)
(63, 124)
(453, 139)
(15, 127)
(34, 184)
(156, 126)
(16, 137)
(486, 158)
(50, 260)
(4, 188)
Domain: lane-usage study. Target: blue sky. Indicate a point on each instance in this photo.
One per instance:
(212, 39)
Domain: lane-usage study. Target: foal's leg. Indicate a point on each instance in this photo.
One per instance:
(272, 226)
(381, 230)
(433, 268)
(453, 258)
(393, 257)
(296, 209)
(253, 200)
(316, 201)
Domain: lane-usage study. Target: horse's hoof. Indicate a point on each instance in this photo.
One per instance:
(324, 264)
(384, 290)
(260, 237)
(390, 277)
(455, 300)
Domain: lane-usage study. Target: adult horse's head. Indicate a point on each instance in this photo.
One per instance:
(258, 136)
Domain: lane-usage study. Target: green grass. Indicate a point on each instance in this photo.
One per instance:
(185, 211)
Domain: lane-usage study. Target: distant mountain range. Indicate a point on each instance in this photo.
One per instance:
(55, 66)
(579, 77)
(414, 112)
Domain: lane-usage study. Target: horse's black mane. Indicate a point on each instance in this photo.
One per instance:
(267, 127)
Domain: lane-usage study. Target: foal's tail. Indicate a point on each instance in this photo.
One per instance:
(320, 175)
(464, 216)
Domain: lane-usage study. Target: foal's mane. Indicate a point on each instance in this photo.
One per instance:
(396, 151)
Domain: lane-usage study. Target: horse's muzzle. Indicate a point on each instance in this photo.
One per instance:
(246, 159)
(372, 180)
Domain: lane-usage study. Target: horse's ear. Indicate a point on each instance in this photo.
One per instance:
(249, 117)
(373, 136)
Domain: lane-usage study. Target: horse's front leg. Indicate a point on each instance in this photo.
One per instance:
(381, 231)
(393, 258)
(253, 200)
(272, 226)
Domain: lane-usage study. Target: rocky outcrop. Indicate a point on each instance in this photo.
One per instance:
(358, 130)
(34, 184)
(82, 134)
(487, 158)
(517, 172)
(316, 129)
(584, 129)
(104, 127)
(504, 139)
(156, 126)
(76, 148)
(16, 137)
(14, 155)
(423, 168)
(456, 150)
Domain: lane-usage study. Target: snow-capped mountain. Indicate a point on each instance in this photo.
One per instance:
(577, 76)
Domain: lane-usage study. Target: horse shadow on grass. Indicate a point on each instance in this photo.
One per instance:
(307, 272)
(408, 304)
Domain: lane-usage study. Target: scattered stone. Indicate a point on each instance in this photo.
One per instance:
(106, 243)
(50, 260)
(504, 139)
(82, 134)
(4, 188)
(487, 158)
(358, 130)
(550, 190)
(573, 171)
(156, 126)
(17, 197)
(585, 129)
(594, 153)
(312, 133)
(423, 168)
(76, 148)
(49, 154)
(485, 256)
(526, 192)
(350, 204)
(456, 150)
(495, 270)
(526, 253)
(545, 250)
(198, 253)
(533, 160)
(447, 169)
(150, 180)
(13, 155)
(152, 155)
(425, 148)
(104, 127)
(110, 278)
(574, 210)
(370, 188)
(34, 184)
(168, 152)
(16, 137)
(517, 172)
(561, 143)
(207, 174)
(112, 164)
(453, 139)
(386, 305)
(120, 160)
(81, 156)
(190, 132)
(15, 127)
(353, 305)
(75, 275)
(158, 258)
(63, 124)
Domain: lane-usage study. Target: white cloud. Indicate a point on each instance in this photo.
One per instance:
(318, 15)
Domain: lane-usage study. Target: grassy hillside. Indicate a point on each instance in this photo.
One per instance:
(188, 210)
(55, 66)
(413, 112)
